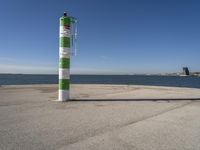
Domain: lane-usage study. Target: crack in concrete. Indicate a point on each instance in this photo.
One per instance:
(155, 115)
(117, 127)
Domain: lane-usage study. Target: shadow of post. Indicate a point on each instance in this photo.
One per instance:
(154, 99)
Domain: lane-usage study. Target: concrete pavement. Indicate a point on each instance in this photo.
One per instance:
(29, 119)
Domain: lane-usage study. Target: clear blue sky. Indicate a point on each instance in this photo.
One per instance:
(115, 37)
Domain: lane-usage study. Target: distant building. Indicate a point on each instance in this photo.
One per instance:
(186, 71)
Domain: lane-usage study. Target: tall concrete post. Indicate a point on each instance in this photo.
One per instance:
(64, 58)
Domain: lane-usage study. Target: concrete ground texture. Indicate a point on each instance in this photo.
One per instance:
(110, 117)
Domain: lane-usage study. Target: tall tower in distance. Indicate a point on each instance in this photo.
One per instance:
(186, 71)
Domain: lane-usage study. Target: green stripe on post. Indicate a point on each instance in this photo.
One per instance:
(63, 84)
(64, 21)
(64, 63)
(65, 42)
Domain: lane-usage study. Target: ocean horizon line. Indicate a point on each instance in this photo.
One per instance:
(94, 74)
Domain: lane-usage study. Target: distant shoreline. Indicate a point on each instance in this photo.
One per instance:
(167, 74)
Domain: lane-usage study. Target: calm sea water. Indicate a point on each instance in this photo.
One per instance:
(156, 80)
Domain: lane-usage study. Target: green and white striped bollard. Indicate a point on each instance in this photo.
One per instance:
(64, 59)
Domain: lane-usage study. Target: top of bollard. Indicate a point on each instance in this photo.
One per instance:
(65, 14)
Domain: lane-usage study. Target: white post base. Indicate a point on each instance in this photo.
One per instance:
(63, 95)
